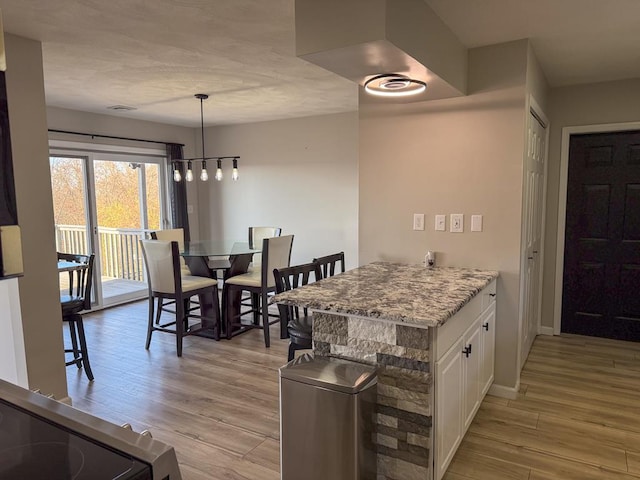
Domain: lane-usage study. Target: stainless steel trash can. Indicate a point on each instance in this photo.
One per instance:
(326, 418)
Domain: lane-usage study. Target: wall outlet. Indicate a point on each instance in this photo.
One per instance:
(457, 223)
(189, 209)
(418, 221)
(441, 221)
(476, 223)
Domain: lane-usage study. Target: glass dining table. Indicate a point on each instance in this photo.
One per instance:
(197, 256)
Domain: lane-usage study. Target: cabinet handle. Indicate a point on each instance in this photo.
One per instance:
(486, 326)
(492, 294)
(467, 351)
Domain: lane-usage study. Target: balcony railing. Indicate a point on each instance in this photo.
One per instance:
(120, 253)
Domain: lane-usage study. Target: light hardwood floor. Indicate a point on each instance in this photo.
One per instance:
(577, 416)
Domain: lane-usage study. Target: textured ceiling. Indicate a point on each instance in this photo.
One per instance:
(155, 54)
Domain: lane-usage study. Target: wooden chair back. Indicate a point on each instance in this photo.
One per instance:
(78, 295)
(331, 264)
(288, 278)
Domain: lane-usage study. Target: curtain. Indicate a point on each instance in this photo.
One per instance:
(178, 191)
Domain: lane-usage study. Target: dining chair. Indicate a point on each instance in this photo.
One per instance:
(256, 236)
(328, 264)
(173, 235)
(75, 299)
(167, 281)
(276, 253)
(299, 326)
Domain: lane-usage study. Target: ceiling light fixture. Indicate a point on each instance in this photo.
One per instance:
(204, 175)
(394, 85)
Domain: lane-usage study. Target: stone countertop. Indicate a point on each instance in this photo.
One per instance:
(396, 292)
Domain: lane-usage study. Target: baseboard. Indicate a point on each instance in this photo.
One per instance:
(546, 331)
(501, 391)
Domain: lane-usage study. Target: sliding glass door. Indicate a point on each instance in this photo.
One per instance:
(104, 202)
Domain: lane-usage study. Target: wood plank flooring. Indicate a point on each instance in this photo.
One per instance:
(217, 405)
(577, 416)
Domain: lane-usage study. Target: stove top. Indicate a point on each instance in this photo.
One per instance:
(41, 438)
(33, 448)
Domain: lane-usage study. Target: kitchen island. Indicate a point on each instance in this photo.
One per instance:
(414, 323)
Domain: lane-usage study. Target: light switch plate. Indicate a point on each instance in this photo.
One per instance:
(189, 209)
(441, 221)
(457, 223)
(418, 221)
(476, 223)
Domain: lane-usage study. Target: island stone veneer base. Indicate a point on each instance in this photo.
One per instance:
(402, 432)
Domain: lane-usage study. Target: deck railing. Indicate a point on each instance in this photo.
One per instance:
(121, 256)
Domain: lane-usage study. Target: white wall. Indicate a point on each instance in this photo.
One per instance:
(593, 104)
(461, 155)
(300, 175)
(38, 288)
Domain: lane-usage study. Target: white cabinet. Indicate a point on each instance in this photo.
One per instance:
(464, 349)
(471, 354)
(449, 381)
(488, 338)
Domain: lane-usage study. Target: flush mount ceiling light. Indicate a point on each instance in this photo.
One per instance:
(204, 174)
(394, 85)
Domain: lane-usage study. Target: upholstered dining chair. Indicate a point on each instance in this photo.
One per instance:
(276, 253)
(329, 264)
(299, 326)
(256, 236)
(76, 299)
(173, 235)
(167, 281)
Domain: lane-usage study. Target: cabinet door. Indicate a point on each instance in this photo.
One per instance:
(449, 388)
(488, 332)
(471, 359)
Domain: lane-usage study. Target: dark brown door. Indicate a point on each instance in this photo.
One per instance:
(601, 287)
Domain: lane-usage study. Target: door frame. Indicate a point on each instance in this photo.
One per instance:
(81, 149)
(562, 203)
(533, 109)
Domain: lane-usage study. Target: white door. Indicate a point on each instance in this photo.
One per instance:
(533, 219)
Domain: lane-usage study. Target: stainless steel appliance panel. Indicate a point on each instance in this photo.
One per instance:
(326, 433)
(81, 443)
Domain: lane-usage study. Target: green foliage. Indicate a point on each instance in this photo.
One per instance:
(117, 193)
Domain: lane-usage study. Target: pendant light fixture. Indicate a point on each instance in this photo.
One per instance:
(204, 175)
